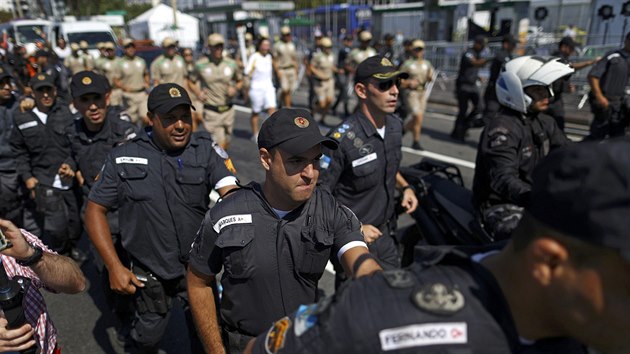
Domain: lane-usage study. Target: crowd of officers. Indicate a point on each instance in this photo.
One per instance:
(72, 158)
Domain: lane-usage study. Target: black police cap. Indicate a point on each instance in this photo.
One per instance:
(379, 68)
(164, 97)
(292, 130)
(4, 72)
(41, 80)
(583, 191)
(85, 82)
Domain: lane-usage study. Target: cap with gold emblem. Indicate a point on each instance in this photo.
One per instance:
(293, 131)
(127, 42)
(85, 82)
(164, 97)
(74, 46)
(284, 30)
(41, 80)
(326, 42)
(83, 45)
(378, 67)
(365, 36)
(109, 45)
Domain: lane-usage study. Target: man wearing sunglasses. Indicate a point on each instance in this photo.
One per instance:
(363, 172)
(515, 140)
(220, 80)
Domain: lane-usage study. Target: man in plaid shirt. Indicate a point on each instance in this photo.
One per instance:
(30, 258)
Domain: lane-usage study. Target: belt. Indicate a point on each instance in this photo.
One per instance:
(287, 67)
(136, 91)
(218, 109)
(318, 79)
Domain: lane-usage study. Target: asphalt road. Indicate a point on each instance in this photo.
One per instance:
(86, 326)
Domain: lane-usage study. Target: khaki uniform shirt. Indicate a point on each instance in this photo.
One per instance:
(217, 78)
(418, 69)
(131, 72)
(78, 63)
(106, 67)
(324, 63)
(357, 55)
(166, 70)
(285, 54)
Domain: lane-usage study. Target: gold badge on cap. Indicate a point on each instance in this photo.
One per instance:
(174, 92)
(386, 62)
(86, 80)
(301, 122)
(41, 77)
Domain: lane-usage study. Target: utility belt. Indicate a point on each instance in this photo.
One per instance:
(48, 199)
(322, 80)
(218, 109)
(287, 67)
(136, 91)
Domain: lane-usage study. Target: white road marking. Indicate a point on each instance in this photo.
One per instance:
(440, 157)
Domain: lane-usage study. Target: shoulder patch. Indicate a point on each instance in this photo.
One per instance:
(324, 162)
(274, 341)
(232, 220)
(399, 278)
(498, 140)
(439, 299)
(613, 56)
(219, 150)
(498, 130)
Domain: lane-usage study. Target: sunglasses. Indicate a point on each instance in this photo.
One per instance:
(418, 49)
(387, 85)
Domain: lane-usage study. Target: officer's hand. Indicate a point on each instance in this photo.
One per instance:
(27, 104)
(123, 281)
(31, 183)
(370, 233)
(65, 172)
(231, 91)
(15, 340)
(602, 102)
(409, 201)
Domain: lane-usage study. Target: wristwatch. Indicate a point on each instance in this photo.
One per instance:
(33, 259)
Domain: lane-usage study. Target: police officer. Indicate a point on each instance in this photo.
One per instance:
(608, 80)
(566, 48)
(132, 78)
(343, 77)
(420, 73)
(220, 81)
(323, 69)
(43, 65)
(106, 66)
(77, 61)
(502, 56)
(561, 281)
(93, 136)
(272, 240)
(515, 140)
(466, 88)
(168, 67)
(11, 205)
(363, 173)
(44, 164)
(359, 54)
(160, 181)
(285, 65)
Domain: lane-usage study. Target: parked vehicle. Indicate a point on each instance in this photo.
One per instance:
(92, 32)
(27, 32)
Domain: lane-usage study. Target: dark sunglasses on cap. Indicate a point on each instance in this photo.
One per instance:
(386, 85)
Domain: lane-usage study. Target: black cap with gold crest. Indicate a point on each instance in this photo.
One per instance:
(85, 82)
(379, 68)
(41, 80)
(164, 97)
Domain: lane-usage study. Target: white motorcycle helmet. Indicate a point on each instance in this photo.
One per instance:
(526, 71)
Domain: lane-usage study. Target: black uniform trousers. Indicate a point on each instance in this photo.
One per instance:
(609, 122)
(464, 119)
(491, 103)
(154, 304)
(11, 206)
(57, 215)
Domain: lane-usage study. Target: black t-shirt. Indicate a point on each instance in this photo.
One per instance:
(613, 71)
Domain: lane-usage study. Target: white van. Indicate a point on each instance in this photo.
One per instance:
(92, 32)
(27, 32)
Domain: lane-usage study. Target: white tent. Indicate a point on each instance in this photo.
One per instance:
(157, 23)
